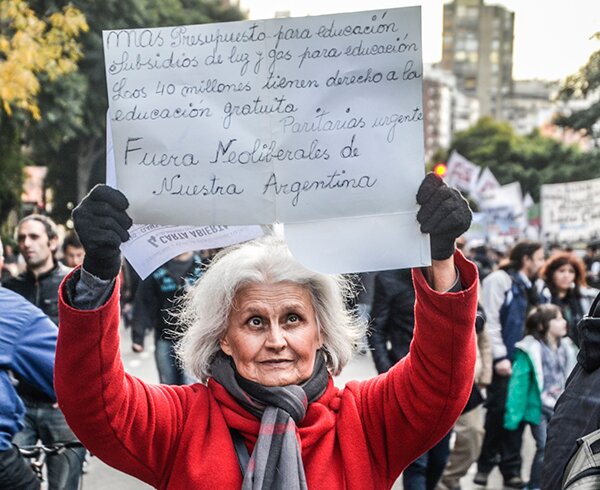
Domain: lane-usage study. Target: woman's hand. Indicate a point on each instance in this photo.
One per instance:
(445, 215)
(102, 223)
(503, 367)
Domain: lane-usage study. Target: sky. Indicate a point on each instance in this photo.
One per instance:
(552, 37)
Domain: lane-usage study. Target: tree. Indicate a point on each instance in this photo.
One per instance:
(531, 160)
(32, 49)
(31, 46)
(582, 85)
(72, 142)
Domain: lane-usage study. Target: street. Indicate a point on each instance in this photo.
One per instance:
(102, 477)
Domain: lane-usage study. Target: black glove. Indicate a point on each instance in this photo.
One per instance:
(102, 223)
(444, 214)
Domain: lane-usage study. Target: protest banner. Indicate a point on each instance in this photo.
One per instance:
(504, 226)
(571, 211)
(506, 214)
(487, 182)
(461, 173)
(478, 231)
(509, 195)
(255, 122)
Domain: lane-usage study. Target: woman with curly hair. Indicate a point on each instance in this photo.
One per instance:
(564, 275)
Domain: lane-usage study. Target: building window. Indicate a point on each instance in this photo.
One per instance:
(472, 13)
(469, 83)
(460, 56)
(472, 45)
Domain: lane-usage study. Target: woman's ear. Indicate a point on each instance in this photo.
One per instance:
(225, 347)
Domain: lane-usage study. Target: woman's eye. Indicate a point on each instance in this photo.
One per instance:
(255, 321)
(293, 318)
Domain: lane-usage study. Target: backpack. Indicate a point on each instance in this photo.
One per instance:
(518, 299)
(583, 469)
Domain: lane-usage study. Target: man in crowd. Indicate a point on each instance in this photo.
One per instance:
(155, 299)
(393, 317)
(27, 346)
(73, 251)
(508, 294)
(37, 238)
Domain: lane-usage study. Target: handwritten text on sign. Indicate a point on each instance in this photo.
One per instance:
(260, 121)
(571, 211)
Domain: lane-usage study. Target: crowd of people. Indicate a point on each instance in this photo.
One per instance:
(248, 339)
(531, 301)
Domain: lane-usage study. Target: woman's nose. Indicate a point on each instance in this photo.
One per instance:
(275, 337)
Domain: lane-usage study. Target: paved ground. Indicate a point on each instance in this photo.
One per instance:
(102, 477)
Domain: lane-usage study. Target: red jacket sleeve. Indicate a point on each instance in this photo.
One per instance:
(132, 425)
(410, 408)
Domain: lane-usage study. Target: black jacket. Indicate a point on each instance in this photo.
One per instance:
(577, 411)
(393, 317)
(42, 291)
(157, 295)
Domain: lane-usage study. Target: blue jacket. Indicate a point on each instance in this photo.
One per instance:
(519, 298)
(27, 347)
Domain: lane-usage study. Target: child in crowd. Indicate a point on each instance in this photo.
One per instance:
(541, 366)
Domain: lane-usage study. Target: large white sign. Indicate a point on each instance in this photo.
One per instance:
(571, 211)
(255, 122)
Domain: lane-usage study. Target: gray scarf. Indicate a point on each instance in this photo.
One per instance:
(276, 462)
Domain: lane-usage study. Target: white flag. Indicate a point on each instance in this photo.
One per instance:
(505, 204)
(487, 182)
(461, 173)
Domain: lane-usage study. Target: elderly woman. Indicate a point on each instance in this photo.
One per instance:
(264, 337)
(564, 275)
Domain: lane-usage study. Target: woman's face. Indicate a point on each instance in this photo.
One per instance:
(272, 334)
(557, 327)
(563, 277)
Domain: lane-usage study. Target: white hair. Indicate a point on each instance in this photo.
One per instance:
(205, 309)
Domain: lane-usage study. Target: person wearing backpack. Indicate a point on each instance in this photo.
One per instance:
(577, 414)
(542, 362)
(155, 304)
(507, 295)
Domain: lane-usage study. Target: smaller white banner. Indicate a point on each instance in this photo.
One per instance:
(461, 173)
(571, 211)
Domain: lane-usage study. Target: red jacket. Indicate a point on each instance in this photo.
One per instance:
(360, 437)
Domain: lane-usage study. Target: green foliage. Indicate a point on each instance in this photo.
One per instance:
(582, 85)
(37, 49)
(71, 141)
(32, 45)
(11, 165)
(531, 160)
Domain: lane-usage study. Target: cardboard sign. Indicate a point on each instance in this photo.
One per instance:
(255, 122)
